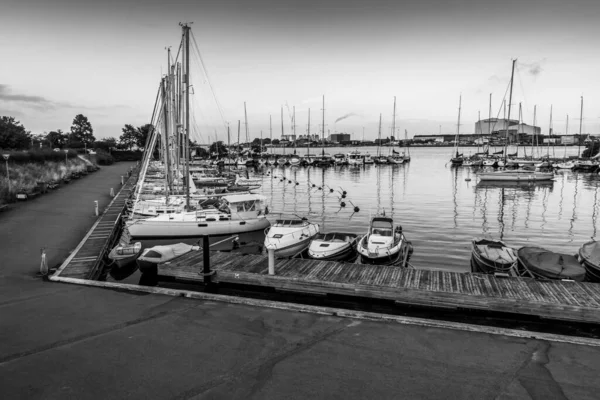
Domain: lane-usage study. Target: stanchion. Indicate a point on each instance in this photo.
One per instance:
(44, 264)
(112, 192)
(96, 207)
(271, 261)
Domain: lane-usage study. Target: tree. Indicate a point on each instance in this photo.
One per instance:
(13, 134)
(81, 131)
(129, 138)
(217, 148)
(106, 143)
(275, 141)
(56, 139)
(142, 134)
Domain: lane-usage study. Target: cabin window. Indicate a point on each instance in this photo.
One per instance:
(240, 208)
(277, 236)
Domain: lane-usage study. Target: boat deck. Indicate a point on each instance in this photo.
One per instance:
(86, 260)
(553, 300)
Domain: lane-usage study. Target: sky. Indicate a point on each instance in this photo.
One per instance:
(105, 59)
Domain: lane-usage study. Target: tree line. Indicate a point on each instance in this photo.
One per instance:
(13, 135)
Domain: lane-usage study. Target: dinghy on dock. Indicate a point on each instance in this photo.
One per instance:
(542, 263)
(491, 256)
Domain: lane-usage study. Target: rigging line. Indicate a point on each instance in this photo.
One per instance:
(208, 80)
(500, 108)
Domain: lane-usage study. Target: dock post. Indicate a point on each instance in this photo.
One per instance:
(96, 207)
(206, 259)
(44, 264)
(271, 261)
(122, 180)
(112, 192)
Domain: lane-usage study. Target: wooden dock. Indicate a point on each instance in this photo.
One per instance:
(86, 260)
(552, 300)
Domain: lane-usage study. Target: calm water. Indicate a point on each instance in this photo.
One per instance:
(439, 210)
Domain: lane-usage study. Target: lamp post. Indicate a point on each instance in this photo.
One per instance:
(66, 153)
(6, 156)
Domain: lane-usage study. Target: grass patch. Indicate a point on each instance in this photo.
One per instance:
(24, 176)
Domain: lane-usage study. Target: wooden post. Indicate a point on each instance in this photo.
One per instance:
(206, 259)
(271, 261)
(96, 207)
(122, 180)
(112, 192)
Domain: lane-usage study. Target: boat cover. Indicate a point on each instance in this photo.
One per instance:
(160, 254)
(494, 251)
(551, 265)
(590, 252)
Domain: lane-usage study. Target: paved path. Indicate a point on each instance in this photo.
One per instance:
(60, 341)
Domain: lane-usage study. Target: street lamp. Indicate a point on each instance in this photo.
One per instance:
(66, 153)
(6, 156)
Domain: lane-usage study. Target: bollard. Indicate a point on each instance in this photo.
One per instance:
(96, 207)
(206, 259)
(122, 180)
(112, 192)
(44, 264)
(271, 261)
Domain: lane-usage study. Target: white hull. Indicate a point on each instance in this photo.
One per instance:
(290, 237)
(147, 228)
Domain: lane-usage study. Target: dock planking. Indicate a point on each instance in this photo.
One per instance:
(553, 300)
(86, 261)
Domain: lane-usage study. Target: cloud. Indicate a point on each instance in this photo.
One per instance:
(535, 68)
(345, 116)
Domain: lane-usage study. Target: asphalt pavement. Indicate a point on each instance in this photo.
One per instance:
(61, 341)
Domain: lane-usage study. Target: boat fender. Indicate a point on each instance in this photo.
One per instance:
(399, 229)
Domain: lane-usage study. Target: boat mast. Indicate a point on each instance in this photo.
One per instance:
(186, 30)
(228, 147)
(246, 125)
(271, 131)
(379, 141)
(166, 139)
(394, 121)
(323, 132)
(308, 141)
(580, 123)
(458, 125)
(490, 124)
(534, 130)
(238, 138)
(549, 133)
(294, 127)
(566, 134)
(282, 135)
(512, 75)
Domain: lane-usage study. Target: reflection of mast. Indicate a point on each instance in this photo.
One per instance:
(323, 196)
(309, 191)
(574, 217)
(544, 207)
(560, 203)
(378, 190)
(295, 188)
(391, 175)
(405, 173)
(484, 224)
(454, 192)
(529, 199)
(594, 212)
(501, 214)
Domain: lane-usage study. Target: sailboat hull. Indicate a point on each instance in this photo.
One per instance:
(145, 229)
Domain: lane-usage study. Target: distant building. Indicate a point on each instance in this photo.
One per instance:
(339, 137)
(493, 125)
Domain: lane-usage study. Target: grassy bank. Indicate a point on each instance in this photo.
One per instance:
(24, 176)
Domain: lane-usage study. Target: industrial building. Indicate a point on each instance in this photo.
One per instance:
(339, 137)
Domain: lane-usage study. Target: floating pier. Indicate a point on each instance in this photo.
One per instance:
(86, 261)
(551, 300)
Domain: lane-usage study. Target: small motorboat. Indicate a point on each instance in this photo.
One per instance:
(384, 244)
(490, 256)
(589, 256)
(289, 237)
(153, 256)
(333, 246)
(124, 255)
(545, 264)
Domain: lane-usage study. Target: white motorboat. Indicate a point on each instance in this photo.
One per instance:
(333, 246)
(384, 244)
(294, 160)
(564, 165)
(355, 158)
(340, 159)
(367, 159)
(230, 215)
(289, 237)
(517, 175)
(124, 255)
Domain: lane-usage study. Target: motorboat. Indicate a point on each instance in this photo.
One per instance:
(333, 246)
(324, 160)
(152, 256)
(355, 158)
(231, 214)
(490, 256)
(367, 159)
(516, 175)
(340, 159)
(384, 244)
(283, 160)
(472, 162)
(124, 255)
(295, 160)
(288, 237)
(490, 162)
(395, 158)
(545, 264)
(564, 165)
(589, 256)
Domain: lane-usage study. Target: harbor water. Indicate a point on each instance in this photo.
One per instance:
(439, 208)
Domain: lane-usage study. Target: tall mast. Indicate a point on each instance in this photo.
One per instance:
(238, 138)
(394, 120)
(166, 139)
(512, 75)
(308, 141)
(549, 132)
(534, 131)
(186, 30)
(282, 128)
(271, 131)
(323, 133)
(246, 124)
(458, 124)
(294, 127)
(379, 141)
(228, 146)
(580, 123)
